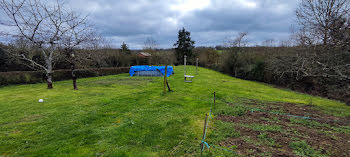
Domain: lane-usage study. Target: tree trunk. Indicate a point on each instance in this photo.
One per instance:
(74, 77)
(48, 61)
(49, 80)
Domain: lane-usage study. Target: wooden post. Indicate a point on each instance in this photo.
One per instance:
(185, 65)
(214, 99)
(167, 83)
(165, 79)
(197, 66)
(204, 131)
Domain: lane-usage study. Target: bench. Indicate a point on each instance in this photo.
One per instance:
(188, 78)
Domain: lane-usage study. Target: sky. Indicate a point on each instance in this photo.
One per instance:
(211, 22)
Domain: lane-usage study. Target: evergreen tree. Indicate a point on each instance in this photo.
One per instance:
(125, 48)
(184, 46)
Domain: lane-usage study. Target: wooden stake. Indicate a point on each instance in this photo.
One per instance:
(185, 65)
(165, 79)
(204, 130)
(197, 66)
(168, 86)
(214, 99)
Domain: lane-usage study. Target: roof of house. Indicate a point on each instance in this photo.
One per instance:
(146, 54)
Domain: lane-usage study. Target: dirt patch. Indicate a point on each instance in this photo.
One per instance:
(31, 118)
(323, 133)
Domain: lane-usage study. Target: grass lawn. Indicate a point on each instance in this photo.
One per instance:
(129, 116)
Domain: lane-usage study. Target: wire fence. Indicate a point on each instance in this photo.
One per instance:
(209, 116)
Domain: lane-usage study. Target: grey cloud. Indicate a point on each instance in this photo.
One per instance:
(134, 21)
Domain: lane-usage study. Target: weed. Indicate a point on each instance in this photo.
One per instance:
(301, 148)
(232, 110)
(263, 137)
(308, 123)
(272, 120)
(263, 127)
(342, 129)
(329, 134)
(250, 140)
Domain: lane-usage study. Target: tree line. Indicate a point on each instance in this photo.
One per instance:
(317, 61)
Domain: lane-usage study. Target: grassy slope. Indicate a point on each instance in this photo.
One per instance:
(121, 115)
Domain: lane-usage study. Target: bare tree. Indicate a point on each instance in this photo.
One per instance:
(239, 41)
(78, 35)
(315, 17)
(150, 44)
(231, 57)
(325, 25)
(323, 39)
(269, 43)
(285, 43)
(46, 27)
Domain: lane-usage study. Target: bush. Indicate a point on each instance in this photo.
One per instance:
(29, 77)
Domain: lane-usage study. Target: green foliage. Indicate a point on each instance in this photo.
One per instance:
(208, 57)
(7, 78)
(301, 148)
(4, 59)
(184, 46)
(243, 63)
(232, 61)
(258, 71)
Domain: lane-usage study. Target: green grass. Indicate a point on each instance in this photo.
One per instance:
(127, 116)
(220, 51)
(221, 131)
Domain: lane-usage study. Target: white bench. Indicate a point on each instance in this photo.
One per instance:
(190, 78)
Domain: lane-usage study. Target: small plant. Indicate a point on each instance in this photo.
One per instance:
(262, 127)
(250, 140)
(310, 101)
(342, 129)
(301, 148)
(232, 110)
(273, 119)
(308, 123)
(279, 111)
(263, 137)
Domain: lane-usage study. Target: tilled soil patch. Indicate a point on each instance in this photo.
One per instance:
(327, 137)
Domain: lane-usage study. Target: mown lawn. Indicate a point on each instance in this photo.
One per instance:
(128, 116)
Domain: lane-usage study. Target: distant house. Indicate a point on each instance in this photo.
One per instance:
(144, 54)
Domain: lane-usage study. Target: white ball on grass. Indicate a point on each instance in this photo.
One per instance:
(41, 100)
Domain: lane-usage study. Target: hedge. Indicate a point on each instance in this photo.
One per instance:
(29, 77)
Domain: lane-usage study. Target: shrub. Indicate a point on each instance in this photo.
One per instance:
(28, 77)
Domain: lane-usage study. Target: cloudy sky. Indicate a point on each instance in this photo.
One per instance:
(209, 21)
